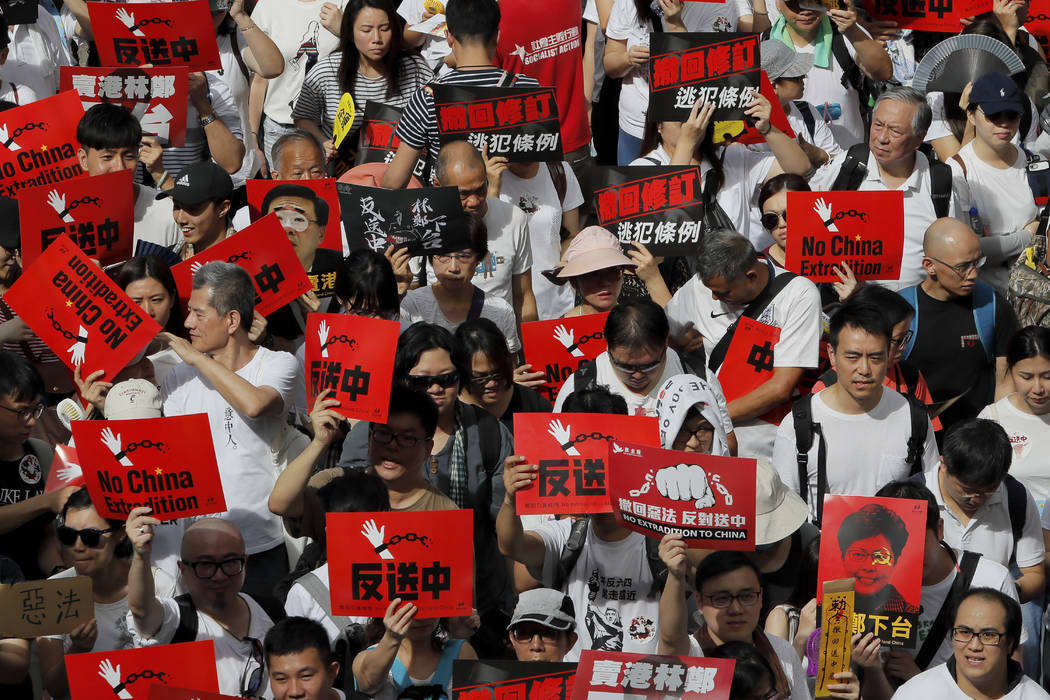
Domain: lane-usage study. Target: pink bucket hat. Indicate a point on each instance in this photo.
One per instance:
(593, 249)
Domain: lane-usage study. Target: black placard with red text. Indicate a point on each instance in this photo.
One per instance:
(520, 123)
(561, 346)
(378, 140)
(928, 15)
(160, 34)
(38, 143)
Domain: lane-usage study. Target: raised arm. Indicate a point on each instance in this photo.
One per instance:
(146, 610)
(514, 541)
(286, 499)
(674, 634)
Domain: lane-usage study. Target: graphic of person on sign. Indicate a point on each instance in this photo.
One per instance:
(871, 541)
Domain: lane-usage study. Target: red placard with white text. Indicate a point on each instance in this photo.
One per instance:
(928, 15)
(97, 213)
(352, 357)
(614, 675)
(709, 499)
(863, 229)
(157, 97)
(571, 450)
(65, 469)
(79, 312)
(167, 464)
(160, 34)
(749, 363)
(38, 143)
(106, 674)
(264, 251)
(165, 692)
(423, 557)
(561, 346)
(324, 188)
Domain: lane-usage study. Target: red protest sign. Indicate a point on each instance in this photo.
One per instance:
(160, 691)
(571, 450)
(357, 373)
(131, 672)
(1038, 25)
(38, 143)
(264, 251)
(863, 229)
(421, 557)
(561, 346)
(167, 464)
(742, 132)
(97, 213)
(603, 675)
(65, 469)
(161, 34)
(324, 190)
(156, 96)
(79, 312)
(927, 15)
(709, 499)
(749, 363)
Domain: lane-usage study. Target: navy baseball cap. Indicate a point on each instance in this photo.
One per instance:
(995, 93)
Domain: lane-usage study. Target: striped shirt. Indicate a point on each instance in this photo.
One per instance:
(319, 99)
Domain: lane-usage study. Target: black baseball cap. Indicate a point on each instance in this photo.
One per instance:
(200, 182)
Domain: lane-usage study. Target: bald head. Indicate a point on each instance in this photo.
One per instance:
(948, 235)
(457, 157)
(212, 537)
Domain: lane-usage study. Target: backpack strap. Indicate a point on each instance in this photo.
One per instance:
(962, 163)
(652, 160)
(586, 377)
(909, 374)
(477, 303)
(830, 377)
(854, 168)
(656, 566)
(187, 629)
(920, 419)
(940, 187)
(1017, 505)
(694, 362)
(911, 295)
(322, 596)
(570, 553)
(773, 287)
(961, 584)
(984, 317)
(557, 171)
(805, 430)
(807, 117)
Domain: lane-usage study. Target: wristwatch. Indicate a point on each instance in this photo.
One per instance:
(205, 121)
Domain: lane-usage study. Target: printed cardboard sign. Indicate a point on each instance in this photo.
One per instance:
(161, 34)
(291, 199)
(420, 557)
(928, 15)
(571, 450)
(167, 464)
(879, 543)
(710, 500)
(520, 123)
(428, 220)
(38, 143)
(79, 312)
(36, 608)
(264, 251)
(836, 617)
(160, 691)
(605, 675)
(715, 67)
(156, 96)
(561, 346)
(353, 357)
(378, 141)
(740, 131)
(131, 672)
(97, 213)
(863, 229)
(523, 680)
(660, 206)
(20, 11)
(65, 469)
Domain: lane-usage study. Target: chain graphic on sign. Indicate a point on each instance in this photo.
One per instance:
(563, 434)
(128, 20)
(111, 674)
(58, 203)
(9, 141)
(565, 336)
(685, 482)
(376, 537)
(761, 357)
(325, 341)
(824, 211)
(113, 442)
(79, 346)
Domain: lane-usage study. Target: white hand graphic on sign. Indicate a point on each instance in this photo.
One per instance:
(77, 349)
(566, 337)
(375, 537)
(111, 674)
(322, 337)
(128, 20)
(685, 482)
(70, 472)
(823, 210)
(58, 203)
(113, 444)
(563, 434)
(12, 146)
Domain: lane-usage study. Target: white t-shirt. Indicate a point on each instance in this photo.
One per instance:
(243, 446)
(1030, 438)
(231, 654)
(434, 49)
(110, 618)
(538, 200)
(824, 85)
(789, 662)
(155, 221)
(300, 603)
(658, 154)
(745, 170)
(420, 305)
(937, 682)
(35, 53)
(864, 452)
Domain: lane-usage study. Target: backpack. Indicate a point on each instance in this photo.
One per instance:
(983, 316)
(573, 546)
(1029, 286)
(806, 429)
(855, 167)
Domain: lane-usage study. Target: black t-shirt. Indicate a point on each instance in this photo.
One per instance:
(283, 322)
(20, 480)
(10, 573)
(524, 400)
(949, 353)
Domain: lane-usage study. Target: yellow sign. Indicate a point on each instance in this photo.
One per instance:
(836, 633)
(434, 7)
(344, 117)
(727, 130)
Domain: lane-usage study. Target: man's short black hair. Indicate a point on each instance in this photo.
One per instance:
(19, 379)
(893, 305)
(873, 519)
(302, 192)
(639, 324)
(867, 317)
(416, 403)
(297, 634)
(1011, 609)
(108, 125)
(977, 452)
(907, 488)
(596, 399)
(473, 21)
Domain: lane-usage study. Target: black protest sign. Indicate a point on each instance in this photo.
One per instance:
(378, 142)
(19, 11)
(716, 67)
(427, 220)
(507, 680)
(516, 122)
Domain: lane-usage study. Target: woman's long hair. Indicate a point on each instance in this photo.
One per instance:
(351, 56)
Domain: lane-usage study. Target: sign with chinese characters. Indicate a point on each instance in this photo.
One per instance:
(427, 220)
(519, 123)
(97, 213)
(129, 673)
(420, 557)
(264, 251)
(561, 346)
(660, 206)
(323, 189)
(928, 15)
(65, 469)
(160, 691)
(167, 464)
(604, 675)
(749, 362)
(19, 11)
(836, 633)
(156, 96)
(79, 312)
(507, 680)
(741, 131)
(38, 143)
(160, 34)
(879, 543)
(378, 141)
(37, 608)
(352, 357)
(863, 229)
(571, 450)
(710, 500)
(716, 67)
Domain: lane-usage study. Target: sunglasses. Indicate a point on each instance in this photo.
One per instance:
(91, 536)
(252, 676)
(637, 369)
(422, 382)
(771, 219)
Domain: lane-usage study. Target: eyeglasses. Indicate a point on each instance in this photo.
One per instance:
(903, 340)
(294, 220)
(702, 432)
(465, 258)
(989, 638)
(637, 369)
(483, 380)
(964, 267)
(384, 436)
(525, 633)
(90, 536)
(724, 600)
(207, 569)
(967, 491)
(251, 678)
(771, 218)
(422, 382)
(881, 556)
(28, 413)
